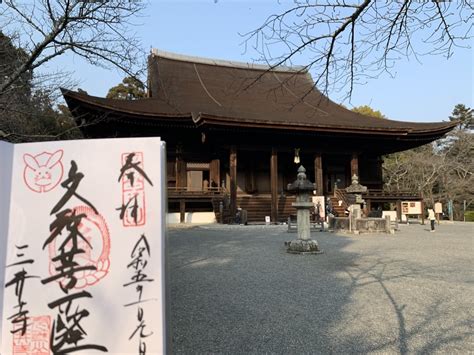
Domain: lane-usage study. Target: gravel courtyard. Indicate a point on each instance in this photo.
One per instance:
(234, 289)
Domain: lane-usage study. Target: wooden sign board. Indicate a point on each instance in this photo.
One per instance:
(438, 207)
(82, 257)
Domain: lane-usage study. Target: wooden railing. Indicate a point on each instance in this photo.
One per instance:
(177, 191)
(383, 193)
(340, 194)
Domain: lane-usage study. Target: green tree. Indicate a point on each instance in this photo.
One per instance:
(129, 89)
(462, 114)
(27, 113)
(368, 111)
(11, 58)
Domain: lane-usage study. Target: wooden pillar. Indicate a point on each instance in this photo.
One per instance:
(399, 210)
(368, 207)
(380, 171)
(233, 180)
(318, 174)
(274, 185)
(355, 165)
(214, 173)
(250, 184)
(181, 173)
(423, 212)
(182, 210)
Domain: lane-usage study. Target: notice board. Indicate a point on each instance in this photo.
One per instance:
(83, 253)
(411, 208)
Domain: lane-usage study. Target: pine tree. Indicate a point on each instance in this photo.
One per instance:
(462, 114)
(129, 89)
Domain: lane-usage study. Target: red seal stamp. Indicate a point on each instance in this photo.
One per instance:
(43, 171)
(96, 247)
(36, 339)
(133, 190)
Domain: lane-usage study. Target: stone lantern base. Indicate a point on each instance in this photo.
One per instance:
(299, 246)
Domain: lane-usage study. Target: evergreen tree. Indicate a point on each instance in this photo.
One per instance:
(368, 111)
(28, 113)
(129, 89)
(462, 114)
(11, 58)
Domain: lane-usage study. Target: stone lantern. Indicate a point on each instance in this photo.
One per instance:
(356, 189)
(355, 211)
(303, 189)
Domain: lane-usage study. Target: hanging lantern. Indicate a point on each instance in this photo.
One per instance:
(297, 156)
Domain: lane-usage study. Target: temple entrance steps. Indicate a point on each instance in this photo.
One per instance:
(285, 209)
(226, 217)
(257, 207)
(340, 202)
(260, 206)
(338, 211)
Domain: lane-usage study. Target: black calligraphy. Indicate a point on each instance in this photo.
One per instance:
(129, 167)
(140, 256)
(133, 176)
(20, 318)
(132, 207)
(67, 332)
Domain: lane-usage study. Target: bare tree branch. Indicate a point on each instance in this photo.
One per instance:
(345, 43)
(34, 33)
(95, 31)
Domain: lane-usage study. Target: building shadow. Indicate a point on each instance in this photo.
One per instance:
(238, 291)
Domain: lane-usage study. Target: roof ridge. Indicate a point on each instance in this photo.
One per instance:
(226, 63)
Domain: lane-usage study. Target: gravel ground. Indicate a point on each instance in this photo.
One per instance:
(234, 289)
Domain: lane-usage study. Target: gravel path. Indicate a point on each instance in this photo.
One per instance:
(234, 289)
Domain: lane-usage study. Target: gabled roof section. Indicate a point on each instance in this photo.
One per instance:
(216, 92)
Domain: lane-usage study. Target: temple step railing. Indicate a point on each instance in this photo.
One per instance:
(342, 196)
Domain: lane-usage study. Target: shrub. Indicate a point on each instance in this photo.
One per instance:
(469, 216)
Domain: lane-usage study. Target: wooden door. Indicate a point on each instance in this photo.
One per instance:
(194, 179)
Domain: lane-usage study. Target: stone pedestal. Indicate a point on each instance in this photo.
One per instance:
(299, 246)
(303, 219)
(355, 212)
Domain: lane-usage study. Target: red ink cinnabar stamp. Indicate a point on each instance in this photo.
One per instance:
(96, 248)
(43, 171)
(36, 339)
(133, 190)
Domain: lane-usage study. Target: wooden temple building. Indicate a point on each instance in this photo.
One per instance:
(234, 132)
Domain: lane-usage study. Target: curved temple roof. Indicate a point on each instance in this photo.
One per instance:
(236, 94)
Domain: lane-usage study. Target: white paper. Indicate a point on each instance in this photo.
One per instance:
(322, 205)
(118, 296)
